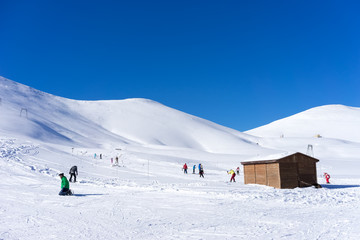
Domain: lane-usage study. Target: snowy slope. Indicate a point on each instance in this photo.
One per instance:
(94, 123)
(330, 121)
(48, 118)
(127, 203)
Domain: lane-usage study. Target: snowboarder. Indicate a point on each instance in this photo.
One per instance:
(73, 173)
(238, 170)
(327, 177)
(194, 169)
(232, 173)
(65, 186)
(185, 167)
(201, 171)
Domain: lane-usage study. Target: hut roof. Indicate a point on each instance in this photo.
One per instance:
(282, 159)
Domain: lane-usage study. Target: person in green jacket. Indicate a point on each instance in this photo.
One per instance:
(65, 186)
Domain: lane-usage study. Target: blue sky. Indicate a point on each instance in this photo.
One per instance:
(241, 64)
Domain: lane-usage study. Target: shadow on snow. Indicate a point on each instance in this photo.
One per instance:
(91, 194)
(332, 186)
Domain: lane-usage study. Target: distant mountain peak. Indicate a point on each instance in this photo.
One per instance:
(332, 121)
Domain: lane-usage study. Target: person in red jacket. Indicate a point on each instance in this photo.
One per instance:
(327, 177)
(185, 167)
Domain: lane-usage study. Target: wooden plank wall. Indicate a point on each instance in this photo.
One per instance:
(249, 174)
(273, 175)
(265, 174)
(260, 174)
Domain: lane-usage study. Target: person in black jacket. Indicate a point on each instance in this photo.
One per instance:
(73, 172)
(201, 171)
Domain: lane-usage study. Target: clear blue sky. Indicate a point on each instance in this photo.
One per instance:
(241, 64)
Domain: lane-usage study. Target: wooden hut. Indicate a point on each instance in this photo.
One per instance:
(296, 170)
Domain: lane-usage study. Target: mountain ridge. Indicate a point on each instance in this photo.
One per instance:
(134, 120)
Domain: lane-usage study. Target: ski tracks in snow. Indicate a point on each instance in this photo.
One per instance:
(23, 155)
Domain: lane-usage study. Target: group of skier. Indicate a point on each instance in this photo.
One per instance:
(116, 161)
(201, 169)
(65, 186)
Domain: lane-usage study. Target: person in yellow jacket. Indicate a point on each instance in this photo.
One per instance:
(232, 173)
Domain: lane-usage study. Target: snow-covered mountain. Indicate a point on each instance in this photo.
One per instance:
(96, 123)
(330, 121)
(27, 113)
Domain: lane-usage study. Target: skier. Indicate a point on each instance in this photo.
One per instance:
(327, 177)
(185, 167)
(194, 169)
(100, 155)
(201, 171)
(232, 173)
(73, 173)
(111, 161)
(65, 186)
(117, 160)
(238, 170)
(95, 156)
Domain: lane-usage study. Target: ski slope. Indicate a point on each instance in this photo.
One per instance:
(147, 195)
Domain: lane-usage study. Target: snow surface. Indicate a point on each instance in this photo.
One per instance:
(147, 196)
